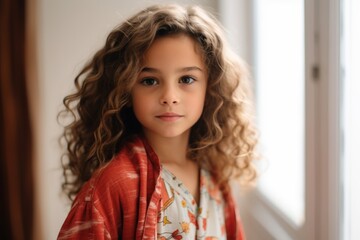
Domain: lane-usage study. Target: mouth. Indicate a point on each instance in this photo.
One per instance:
(169, 117)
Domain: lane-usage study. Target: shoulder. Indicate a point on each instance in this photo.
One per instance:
(111, 194)
(119, 174)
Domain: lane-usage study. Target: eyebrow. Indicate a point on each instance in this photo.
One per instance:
(185, 69)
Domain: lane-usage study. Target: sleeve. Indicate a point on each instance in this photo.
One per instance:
(107, 205)
(95, 214)
(86, 221)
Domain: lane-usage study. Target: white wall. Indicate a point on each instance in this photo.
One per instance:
(68, 32)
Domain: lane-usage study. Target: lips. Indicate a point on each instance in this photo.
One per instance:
(169, 117)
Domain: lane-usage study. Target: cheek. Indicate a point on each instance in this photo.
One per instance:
(143, 105)
(138, 104)
(197, 101)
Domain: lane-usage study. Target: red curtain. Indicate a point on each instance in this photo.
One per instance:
(16, 170)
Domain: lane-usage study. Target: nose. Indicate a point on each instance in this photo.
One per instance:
(169, 95)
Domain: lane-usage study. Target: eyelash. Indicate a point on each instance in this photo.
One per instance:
(182, 80)
(187, 77)
(145, 81)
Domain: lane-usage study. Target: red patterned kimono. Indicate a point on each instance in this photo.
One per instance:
(122, 200)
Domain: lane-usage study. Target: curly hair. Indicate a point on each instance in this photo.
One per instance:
(223, 140)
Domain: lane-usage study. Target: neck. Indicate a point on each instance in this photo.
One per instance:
(170, 150)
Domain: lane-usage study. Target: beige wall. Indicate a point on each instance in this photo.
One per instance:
(68, 32)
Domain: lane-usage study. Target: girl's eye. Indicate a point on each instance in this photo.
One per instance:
(187, 80)
(149, 82)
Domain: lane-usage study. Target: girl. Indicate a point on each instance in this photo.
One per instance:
(161, 125)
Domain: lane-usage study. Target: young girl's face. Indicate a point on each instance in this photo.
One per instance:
(168, 97)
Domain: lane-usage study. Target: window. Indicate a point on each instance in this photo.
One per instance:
(351, 117)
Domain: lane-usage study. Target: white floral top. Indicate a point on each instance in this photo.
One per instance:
(180, 217)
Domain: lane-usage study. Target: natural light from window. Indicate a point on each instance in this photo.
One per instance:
(351, 117)
(279, 76)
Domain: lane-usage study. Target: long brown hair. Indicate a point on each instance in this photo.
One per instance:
(223, 140)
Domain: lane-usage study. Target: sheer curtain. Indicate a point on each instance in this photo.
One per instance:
(16, 171)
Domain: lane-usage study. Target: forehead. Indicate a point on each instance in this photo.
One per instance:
(179, 49)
